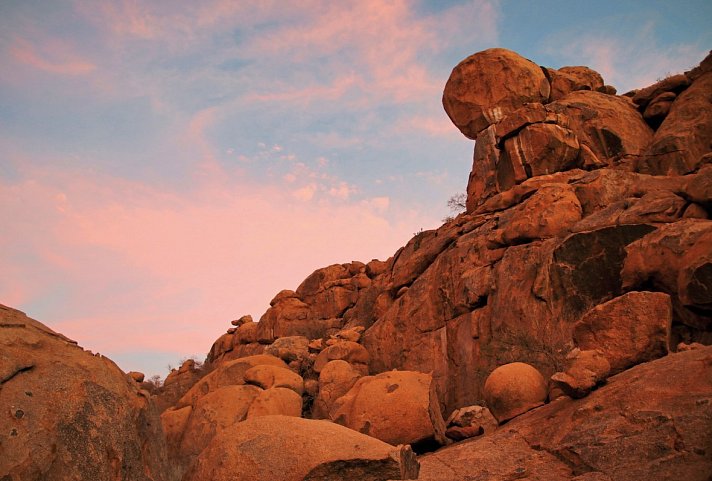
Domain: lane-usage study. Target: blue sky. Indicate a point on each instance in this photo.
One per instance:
(168, 166)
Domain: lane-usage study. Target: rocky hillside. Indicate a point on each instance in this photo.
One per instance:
(557, 329)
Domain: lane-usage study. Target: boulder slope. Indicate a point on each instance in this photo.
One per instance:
(69, 414)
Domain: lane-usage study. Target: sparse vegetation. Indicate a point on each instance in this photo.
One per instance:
(155, 380)
(457, 204)
(417, 236)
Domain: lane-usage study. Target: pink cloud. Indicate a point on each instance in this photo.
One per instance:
(145, 267)
(52, 56)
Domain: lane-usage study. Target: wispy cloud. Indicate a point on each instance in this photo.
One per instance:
(629, 60)
(54, 56)
(158, 262)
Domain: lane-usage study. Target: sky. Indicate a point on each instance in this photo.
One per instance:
(168, 166)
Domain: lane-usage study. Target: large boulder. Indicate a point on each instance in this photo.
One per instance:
(585, 371)
(213, 413)
(652, 422)
(227, 374)
(295, 449)
(289, 348)
(349, 351)
(570, 79)
(513, 389)
(686, 133)
(268, 376)
(276, 400)
(676, 259)
(629, 329)
(398, 407)
(335, 380)
(68, 414)
(177, 384)
(608, 125)
(486, 86)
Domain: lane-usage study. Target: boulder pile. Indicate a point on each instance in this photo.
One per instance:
(556, 329)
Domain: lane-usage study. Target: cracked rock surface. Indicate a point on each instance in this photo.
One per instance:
(652, 422)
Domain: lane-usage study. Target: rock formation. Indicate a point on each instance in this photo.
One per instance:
(68, 414)
(572, 301)
(651, 422)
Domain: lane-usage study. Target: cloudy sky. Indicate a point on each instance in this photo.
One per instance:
(167, 166)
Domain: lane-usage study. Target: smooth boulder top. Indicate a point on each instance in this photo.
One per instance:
(296, 449)
(488, 85)
(513, 389)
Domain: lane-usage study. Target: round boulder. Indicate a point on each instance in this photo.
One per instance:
(398, 407)
(276, 401)
(513, 389)
(488, 85)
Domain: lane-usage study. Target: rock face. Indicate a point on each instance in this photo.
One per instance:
(583, 252)
(69, 414)
(628, 330)
(651, 422)
(294, 449)
(397, 407)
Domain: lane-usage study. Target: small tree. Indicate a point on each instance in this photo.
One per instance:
(457, 204)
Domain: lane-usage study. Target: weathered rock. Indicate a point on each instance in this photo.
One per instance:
(222, 345)
(268, 376)
(629, 329)
(398, 407)
(311, 388)
(685, 135)
(482, 183)
(242, 320)
(585, 371)
(174, 422)
(351, 352)
(137, 376)
(550, 212)
(570, 79)
(247, 333)
(486, 86)
(352, 334)
(227, 374)
(418, 254)
(607, 89)
(289, 348)
(335, 380)
(316, 345)
(177, 383)
(513, 389)
(68, 414)
(318, 306)
(276, 401)
(213, 413)
(658, 206)
(652, 422)
(672, 84)
(538, 149)
(676, 259)
(699, 187)
(658, 109)
(470, 421)
(294, 449)
(607, 124)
